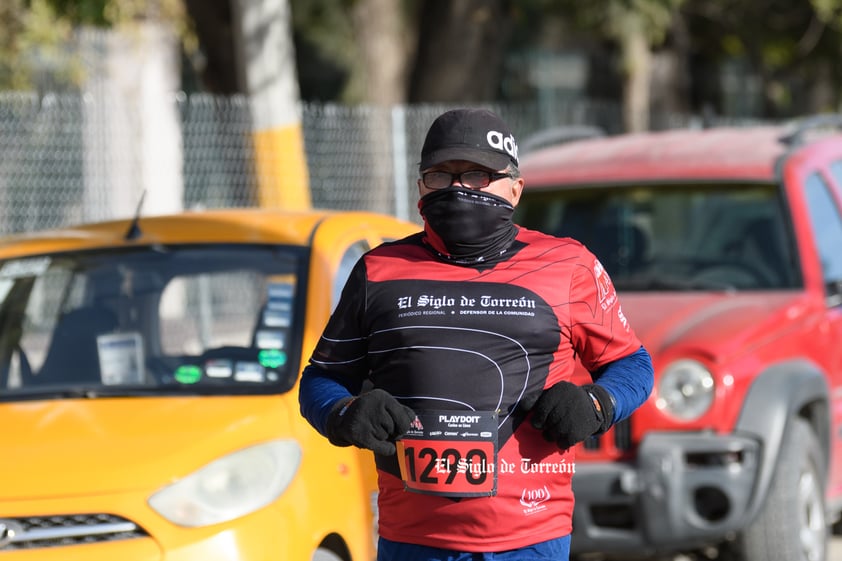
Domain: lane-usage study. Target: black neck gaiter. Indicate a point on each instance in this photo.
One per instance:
(467, 227)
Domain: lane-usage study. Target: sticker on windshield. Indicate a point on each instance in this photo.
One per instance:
(276, 318)
(269, 339)
(249, 372)
(219, 368)
(188, 374)
(31, 267)
(281, 290)
(278, 305)
(272, 358)
(120, 358)
(277, 311)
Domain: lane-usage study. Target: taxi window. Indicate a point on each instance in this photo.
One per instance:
(836, 172)
(199, 312)
(41, 311)
(151, 320)
(346, 264)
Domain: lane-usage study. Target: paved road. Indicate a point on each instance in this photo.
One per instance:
(834, 553)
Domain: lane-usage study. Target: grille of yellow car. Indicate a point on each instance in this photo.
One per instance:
(34, 532)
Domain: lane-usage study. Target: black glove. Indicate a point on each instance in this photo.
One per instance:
(370, 420)
(567, 413)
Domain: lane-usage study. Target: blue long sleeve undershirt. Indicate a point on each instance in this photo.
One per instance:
(318, 393)
(629, 380)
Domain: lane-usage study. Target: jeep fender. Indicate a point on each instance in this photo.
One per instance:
(781, 392)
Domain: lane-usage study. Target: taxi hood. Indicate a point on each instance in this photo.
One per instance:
(717, 324)
(77, 447)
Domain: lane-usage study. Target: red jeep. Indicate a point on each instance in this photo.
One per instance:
(725, 245)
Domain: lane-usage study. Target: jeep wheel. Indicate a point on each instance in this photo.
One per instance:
(791, 525)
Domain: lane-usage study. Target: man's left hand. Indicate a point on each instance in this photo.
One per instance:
(567, 413)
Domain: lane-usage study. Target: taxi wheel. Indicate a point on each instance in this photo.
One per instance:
(322, 554)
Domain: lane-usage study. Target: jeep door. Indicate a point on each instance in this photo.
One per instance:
(822, 192)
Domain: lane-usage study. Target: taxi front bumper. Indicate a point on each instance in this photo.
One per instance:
(109, 527)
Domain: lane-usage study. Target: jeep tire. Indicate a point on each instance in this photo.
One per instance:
(792, 524)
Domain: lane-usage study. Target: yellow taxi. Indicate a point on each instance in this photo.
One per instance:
(148, 390)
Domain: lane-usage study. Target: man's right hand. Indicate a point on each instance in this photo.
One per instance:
(370, 420)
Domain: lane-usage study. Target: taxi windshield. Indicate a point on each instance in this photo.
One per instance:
(151, 321)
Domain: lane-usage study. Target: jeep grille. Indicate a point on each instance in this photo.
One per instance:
(619, 436)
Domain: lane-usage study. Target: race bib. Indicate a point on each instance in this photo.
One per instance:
(450, 453)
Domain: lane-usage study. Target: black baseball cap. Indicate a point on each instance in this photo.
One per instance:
(474, 135)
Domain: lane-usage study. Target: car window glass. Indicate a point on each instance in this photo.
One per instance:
(681, 237)
(210, 310)
(836, 173)
(215, 319)
(346, 264)
(41, 312)
(826, 222)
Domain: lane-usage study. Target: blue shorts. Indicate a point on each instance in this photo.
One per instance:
(556, 550)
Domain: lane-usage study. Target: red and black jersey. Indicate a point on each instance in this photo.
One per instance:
(445, 337)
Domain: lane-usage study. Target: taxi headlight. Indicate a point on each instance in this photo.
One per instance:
(686, 390)
(230, 487)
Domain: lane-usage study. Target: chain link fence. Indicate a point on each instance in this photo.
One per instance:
(72, 158)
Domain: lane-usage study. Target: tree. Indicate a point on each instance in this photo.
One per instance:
(381, 34)
(32, 30)
(790, 48)
(636, 27)
(213, 24)
(266, 61)
(461, 47)
(385, 52)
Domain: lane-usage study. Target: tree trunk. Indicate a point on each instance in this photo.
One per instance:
(637, 64)
(380, 81)
(670, 82)
(213, 22)
(132, 132)
(266, 63)
(460, 51)
(384, 51)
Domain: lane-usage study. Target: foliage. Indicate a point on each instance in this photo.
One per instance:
(788, 46)
(35, 34)
(829, 12)
(326, 23)
(323, 32)
(109, 13)
(328, 41)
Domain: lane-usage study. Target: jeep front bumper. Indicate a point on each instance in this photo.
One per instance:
(686, 490)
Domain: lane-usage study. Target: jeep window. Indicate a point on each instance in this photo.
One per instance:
(836, 173)
(674, 237)
(147, 321)
(826, 222)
